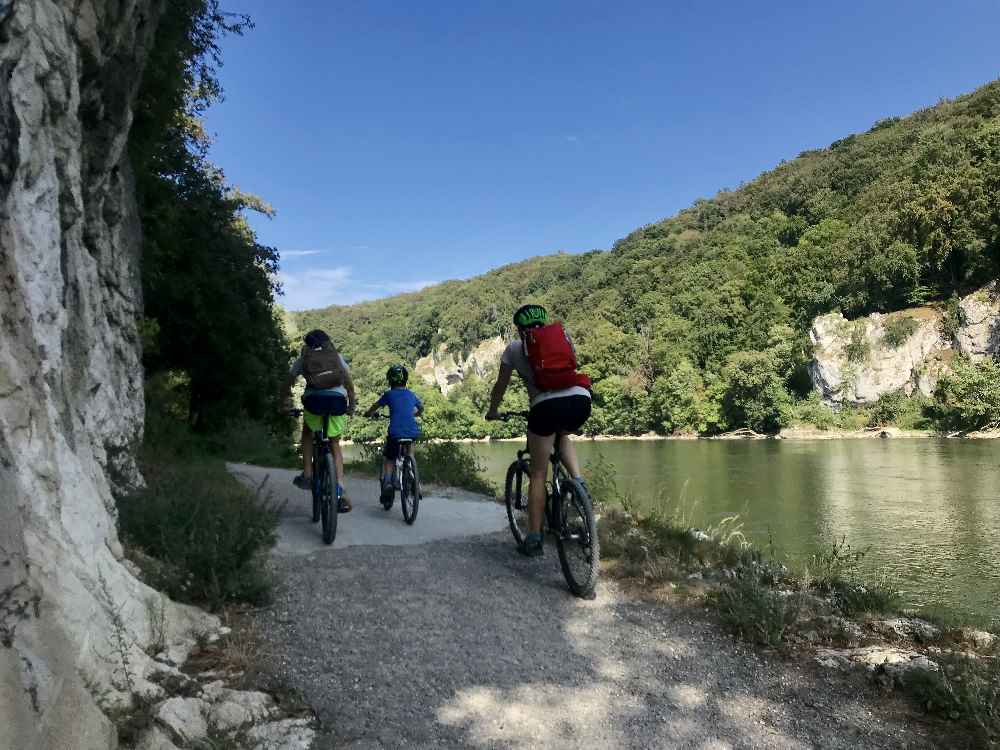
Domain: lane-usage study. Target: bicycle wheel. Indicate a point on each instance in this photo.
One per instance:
(516, 499)
(315, 487)
(576, 539)
(328, 492)
(409, 490)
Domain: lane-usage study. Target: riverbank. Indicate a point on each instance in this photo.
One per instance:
(827, 614)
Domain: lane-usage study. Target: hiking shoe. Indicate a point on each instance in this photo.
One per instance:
(532, 546)
(345, 503)
(387, 496)
(302, 483)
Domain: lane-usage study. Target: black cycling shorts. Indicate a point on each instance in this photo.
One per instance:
(391, 449)
(564, 414)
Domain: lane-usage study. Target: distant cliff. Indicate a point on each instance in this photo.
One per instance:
(856, 361)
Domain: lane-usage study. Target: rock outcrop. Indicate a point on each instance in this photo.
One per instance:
(443, 369)
(856, 362)
(73, 619)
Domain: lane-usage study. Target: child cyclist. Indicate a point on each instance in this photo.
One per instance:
(404, 407)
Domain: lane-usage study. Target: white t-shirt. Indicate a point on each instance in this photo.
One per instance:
(516, 358)
(296, 371)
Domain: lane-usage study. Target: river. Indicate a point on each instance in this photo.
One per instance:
(928, 509)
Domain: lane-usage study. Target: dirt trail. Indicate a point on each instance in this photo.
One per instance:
(463, 643)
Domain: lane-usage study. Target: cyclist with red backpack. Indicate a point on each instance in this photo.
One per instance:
(560, 401)
(330, 391)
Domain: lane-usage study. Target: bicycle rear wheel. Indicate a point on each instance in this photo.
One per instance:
(328, 492)
(516, 499)
(315, 486)
(409, 490)
(576, 539)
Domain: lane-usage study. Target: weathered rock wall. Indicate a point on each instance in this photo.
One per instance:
(71, 404)
(446, 370)
(855, 362)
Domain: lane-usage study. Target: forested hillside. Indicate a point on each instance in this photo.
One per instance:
(699, 322)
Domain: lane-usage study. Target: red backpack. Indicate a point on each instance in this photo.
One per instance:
(552, 358)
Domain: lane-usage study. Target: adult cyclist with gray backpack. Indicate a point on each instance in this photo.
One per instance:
(560, 402)
(329, 393)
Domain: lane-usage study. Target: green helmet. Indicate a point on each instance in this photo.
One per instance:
(397, 375)
(530, 315)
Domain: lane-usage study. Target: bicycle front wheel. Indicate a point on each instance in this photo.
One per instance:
(328, 498)
(409, 490)
(316, 494)
(516, 499)
(576, 539)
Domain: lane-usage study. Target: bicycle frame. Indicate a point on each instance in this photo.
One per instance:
(553, 486)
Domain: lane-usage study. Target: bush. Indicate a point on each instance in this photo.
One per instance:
(857, 348)
(837, 573)
(899, 329)
(968, 397)
(757, 612)
(453, 465)
(206, 532)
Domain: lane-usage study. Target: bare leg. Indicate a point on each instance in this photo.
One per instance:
(568, 452)
(307, 452)
(540, 448)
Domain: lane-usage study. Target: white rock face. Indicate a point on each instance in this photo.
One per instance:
(443, 369)
(979, 316)
(845, 373)
(850, 377)
(71, 402)
(185, 717)
(288, 734)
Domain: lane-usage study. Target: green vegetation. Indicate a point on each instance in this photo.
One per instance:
(208, 285)
(675, 324)
(198, 533)
(968, 397)
(446, 464)
(898, 330)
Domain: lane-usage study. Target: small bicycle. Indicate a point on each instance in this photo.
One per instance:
(405, 479)
(325, 487)
(569, 516)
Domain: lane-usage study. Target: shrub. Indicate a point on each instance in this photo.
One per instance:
(857, 348)
(836, 572)
(899, 329)
(968, 397)
(206, 531)
(454, 465)
(757, 612)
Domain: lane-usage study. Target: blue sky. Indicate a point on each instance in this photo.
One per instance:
(408, 143)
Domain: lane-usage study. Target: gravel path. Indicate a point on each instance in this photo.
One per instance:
(466, 644)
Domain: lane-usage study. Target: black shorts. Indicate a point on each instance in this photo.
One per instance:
(391, 449)
(564, 414)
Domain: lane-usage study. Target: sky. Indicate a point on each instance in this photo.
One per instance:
(406, 143)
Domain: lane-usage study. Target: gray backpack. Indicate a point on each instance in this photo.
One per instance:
(322, 368)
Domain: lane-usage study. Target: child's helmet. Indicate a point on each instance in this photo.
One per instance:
(530, 315)
(397, 375)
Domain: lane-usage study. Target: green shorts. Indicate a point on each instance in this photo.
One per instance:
(334, 425)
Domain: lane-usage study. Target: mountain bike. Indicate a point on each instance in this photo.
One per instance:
(568, 516)
(406, 479)
(325, 487)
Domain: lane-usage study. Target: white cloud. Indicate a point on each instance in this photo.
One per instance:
(298, 253)
(322, 287)
(573, 138)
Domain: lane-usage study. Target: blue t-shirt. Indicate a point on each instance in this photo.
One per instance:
(402, 403)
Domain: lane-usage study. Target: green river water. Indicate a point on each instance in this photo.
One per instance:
(928, 508)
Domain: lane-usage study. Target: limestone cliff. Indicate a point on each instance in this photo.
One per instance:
(855, 362)
(446, 370)
(71, 403)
